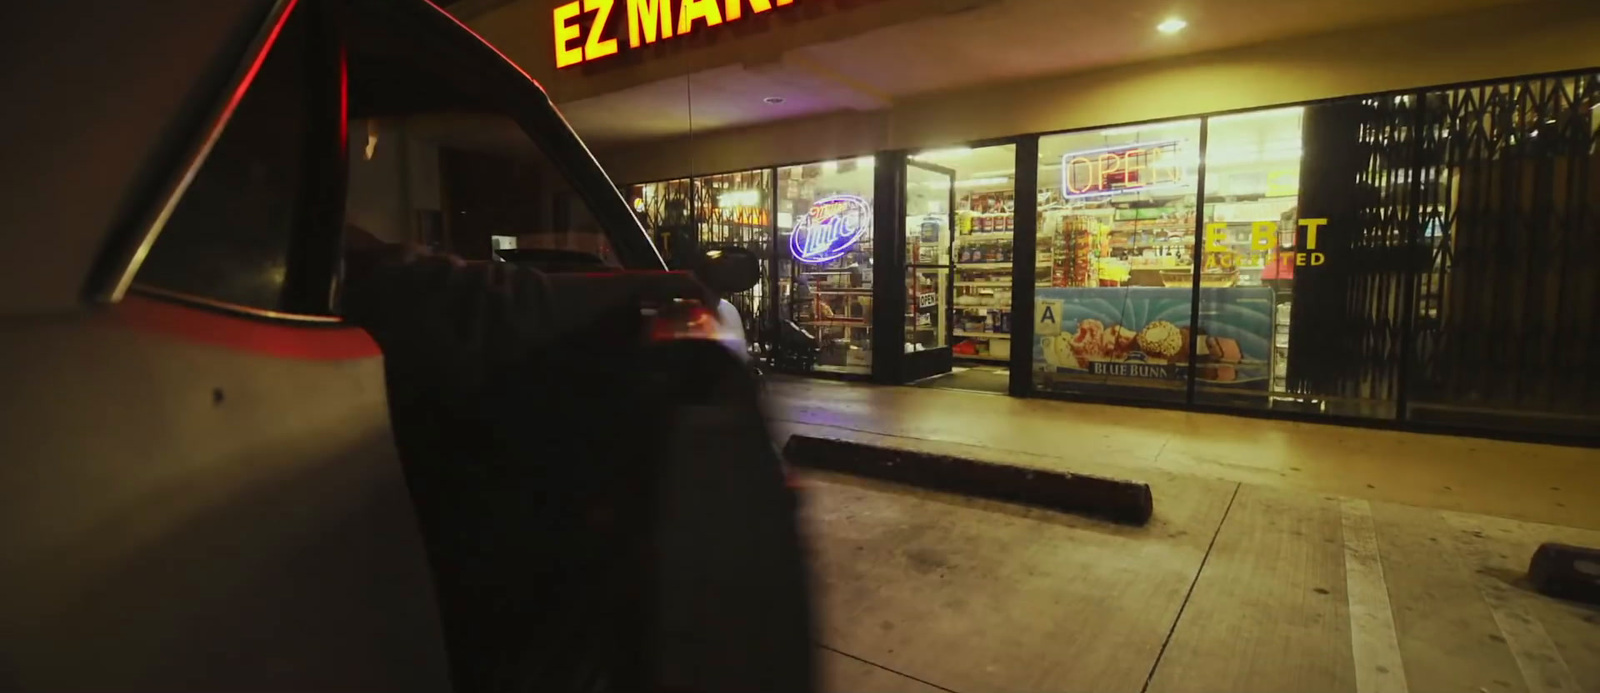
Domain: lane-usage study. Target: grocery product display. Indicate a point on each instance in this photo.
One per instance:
(1126, 258)
(984, 242)
(1187, 262)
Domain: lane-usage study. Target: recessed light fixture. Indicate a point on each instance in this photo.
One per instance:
(773, 100)
(1171, 26)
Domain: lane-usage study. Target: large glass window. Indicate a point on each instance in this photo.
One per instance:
(1249, 256)
(735, 209)
(664, 210)
(1116, 220)
(824, 276)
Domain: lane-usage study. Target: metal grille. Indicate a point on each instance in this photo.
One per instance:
(735, 209)
(1508, 306)
(664, 209)
(1349, 316)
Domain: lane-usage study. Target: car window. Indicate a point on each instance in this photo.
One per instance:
(461, 181)
(228, 240)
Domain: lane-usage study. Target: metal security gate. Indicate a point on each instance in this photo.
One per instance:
(1508, 311)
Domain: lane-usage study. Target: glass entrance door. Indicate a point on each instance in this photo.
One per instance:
(928, 227)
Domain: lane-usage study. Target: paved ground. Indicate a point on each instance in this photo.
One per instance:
(1253, 576)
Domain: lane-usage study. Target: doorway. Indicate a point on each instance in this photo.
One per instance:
(928, 227)
(978, 209)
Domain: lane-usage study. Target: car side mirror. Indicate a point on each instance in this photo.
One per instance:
(728, 270)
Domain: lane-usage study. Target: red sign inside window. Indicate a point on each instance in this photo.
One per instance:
(1126, 168)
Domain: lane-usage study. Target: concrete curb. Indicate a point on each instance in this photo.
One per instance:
(1567, 572)
(1126, 502)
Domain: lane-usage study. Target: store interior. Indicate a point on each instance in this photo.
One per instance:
(824, 271)
(1116, 268)
(976, 259)
(1117, 223)
(735, 210)
(1295, 259)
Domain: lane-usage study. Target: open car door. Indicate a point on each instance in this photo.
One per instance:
(199, 488)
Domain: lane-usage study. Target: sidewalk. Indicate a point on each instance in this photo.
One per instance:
(1523, 481)
(1281, 557)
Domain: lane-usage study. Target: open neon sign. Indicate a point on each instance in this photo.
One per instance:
(830, 228)
(1121, 169)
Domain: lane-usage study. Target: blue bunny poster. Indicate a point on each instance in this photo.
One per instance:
(1144, 333)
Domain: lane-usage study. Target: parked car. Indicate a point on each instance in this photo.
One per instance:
(201, 486)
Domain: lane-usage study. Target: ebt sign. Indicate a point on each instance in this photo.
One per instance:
(1263, 240)
(584, 28)
(830, 228)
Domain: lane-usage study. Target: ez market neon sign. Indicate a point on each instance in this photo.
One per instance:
(830, 229)
(581, 25)
(1121, 169)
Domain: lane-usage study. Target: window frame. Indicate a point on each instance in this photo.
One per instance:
(314, 258)
(310, 269)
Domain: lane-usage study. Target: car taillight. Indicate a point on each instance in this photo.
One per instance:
(682, 319)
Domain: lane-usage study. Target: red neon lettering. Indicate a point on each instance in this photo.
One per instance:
(1072, 169)
(1175, 171)
(1105, 171)
(1131, 166)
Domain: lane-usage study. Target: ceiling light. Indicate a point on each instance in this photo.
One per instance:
(1171, 26)
(773, 100)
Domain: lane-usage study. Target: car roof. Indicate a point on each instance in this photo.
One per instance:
(114, 94)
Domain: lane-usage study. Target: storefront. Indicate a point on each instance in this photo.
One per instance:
(1424, 257)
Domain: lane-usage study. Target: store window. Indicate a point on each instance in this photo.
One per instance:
(664, 210)
(735, 209)
(824, 273)
(1117, 212)
(1248, 257)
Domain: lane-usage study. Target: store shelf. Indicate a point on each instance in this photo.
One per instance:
(836, 323)
(982, 357)
(995, 285)
(993, 265)
(984, 335)
(851, 292)
(988, 236)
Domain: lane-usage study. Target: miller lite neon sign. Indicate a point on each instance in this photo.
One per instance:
(830, 228)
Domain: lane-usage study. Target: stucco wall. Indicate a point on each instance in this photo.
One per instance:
(1508, 41)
